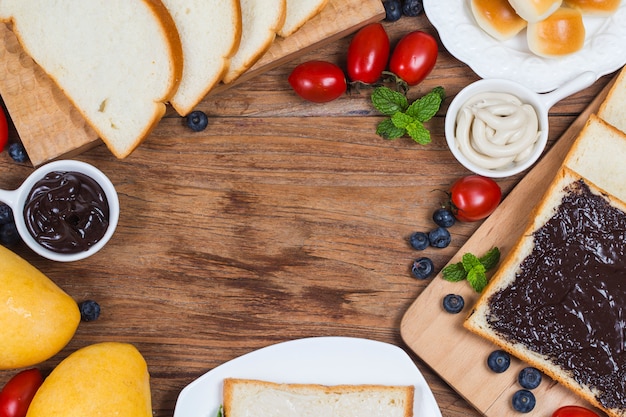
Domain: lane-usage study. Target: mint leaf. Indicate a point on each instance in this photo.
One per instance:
(220, 411)
(426, 107)
(389, 102)
(387, 130)
(477, 278)
(491, 258)
(401, 120)
(454, 272)
(470, 261)
(418, 132)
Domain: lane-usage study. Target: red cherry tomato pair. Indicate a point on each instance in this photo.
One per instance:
(573, 411)
(474, 197)
(18, 393)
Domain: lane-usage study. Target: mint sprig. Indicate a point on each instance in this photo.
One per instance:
(406, 118)
(473, 269)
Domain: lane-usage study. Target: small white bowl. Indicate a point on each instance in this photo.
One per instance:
(16, 199)
(540, 102)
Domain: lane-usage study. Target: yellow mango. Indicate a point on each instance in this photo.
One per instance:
(37, 318)
(103, 379)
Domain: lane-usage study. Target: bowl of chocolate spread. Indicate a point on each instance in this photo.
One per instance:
(65, 211)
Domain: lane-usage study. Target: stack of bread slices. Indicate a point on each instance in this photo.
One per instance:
(561, 327)
(120, 62)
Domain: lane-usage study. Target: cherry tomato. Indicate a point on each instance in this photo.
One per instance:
(18, 393)
(414, 57)
(573, 411)
(474, 197)
(4, 130)
(368, 54)
(318, 81)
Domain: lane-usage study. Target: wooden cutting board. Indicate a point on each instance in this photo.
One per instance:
(439, 338)
(51, 128)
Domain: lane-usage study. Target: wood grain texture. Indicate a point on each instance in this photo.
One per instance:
(282, 220)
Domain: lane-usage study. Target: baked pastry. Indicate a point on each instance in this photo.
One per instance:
(245, 397)
(209, 39)
(557, 300)
(595, 7)
(298, 13)
(613, 108)
(118, 62)
(535, 10)
(561, 33)
(497, 18)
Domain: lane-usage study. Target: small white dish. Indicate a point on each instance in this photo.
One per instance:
(540, 102)
(316, 360)
(16, 199)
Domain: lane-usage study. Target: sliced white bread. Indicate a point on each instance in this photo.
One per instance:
(535, 10)
(210, 31)
(261, 20)
(497, 18)
(298, 13)
(118, 61)
(485, 317)
(247, 398)
(613, 108)
(562, 33)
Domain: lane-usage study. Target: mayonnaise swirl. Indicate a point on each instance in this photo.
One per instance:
(494, 130)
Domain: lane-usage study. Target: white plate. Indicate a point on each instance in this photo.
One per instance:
(319, 360)
(604, 50)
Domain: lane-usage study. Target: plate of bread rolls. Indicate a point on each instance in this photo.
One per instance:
(540, 44)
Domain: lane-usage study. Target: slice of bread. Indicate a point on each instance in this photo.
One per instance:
(118, 61)
(497, 18)
(298, 13)
(210, 32)
(548, 315)
(613, 108)
(562, 33)
(246, 398)
(261, 20)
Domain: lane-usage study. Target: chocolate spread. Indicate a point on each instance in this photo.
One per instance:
(67, 212)
(568, 301)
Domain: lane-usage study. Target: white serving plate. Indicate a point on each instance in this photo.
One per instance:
(604, 50)
(318, 360)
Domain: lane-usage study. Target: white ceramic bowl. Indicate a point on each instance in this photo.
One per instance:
(540, 102)
(16, 199)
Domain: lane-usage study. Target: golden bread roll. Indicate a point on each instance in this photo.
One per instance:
(535, 10)
(597, 7)
(561, 33)
(497, 18)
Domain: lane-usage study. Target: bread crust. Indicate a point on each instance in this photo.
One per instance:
(292, 26)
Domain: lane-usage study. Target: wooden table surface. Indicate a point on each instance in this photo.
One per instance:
(283, 220)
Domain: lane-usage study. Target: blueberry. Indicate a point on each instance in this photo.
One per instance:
(89, 310)
(6, 214)
(443, 218)
(17, 152)
(197, 121)
(439, 238)
(498, 361)
(419, 240)
(529, 378)
(393, 10)
(453, 303)
(412, 7)
(524, 401)
(8, 235)
(422, 268)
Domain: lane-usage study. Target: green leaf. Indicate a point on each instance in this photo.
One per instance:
(470, 261)
(426, 107)
(490, 259)
(454, 272)
(477, 278)
(389, 102)
(401, 120)
(387, 130)
(220, 411)
(418, 132)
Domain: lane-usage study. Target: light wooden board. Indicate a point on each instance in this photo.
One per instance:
(439, 338)
(51, 128)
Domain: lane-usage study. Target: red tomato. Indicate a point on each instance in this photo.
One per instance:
(414, 57)
(318, 81)
(368, 54)
(4, 130)
(474, 197)
(17, 394)
(573, 411)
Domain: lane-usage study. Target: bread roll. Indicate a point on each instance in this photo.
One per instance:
(595, 7)
(561, 33)
(497, 18)
(535, 10)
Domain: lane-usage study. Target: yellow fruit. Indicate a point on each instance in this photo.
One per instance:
(37, 318)
(103, 379)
